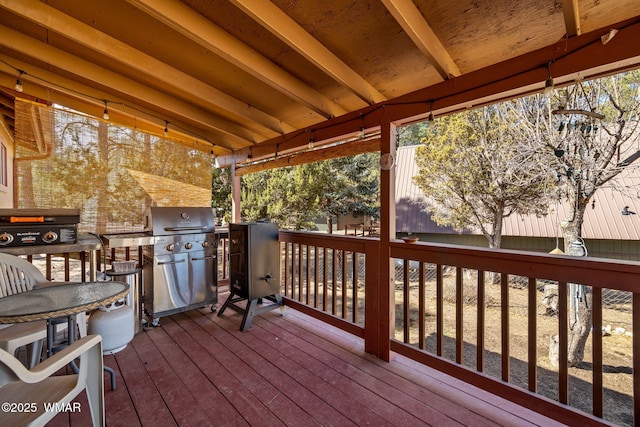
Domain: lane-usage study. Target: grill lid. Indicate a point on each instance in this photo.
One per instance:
(161, 221)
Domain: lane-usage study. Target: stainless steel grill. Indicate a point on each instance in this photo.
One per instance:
(179, 268)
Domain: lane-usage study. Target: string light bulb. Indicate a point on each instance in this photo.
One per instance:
(18, 86)
(105, 113)
(166, 128)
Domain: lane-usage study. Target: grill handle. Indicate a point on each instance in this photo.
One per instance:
(204, 258)
(199, 227)
(172, 262)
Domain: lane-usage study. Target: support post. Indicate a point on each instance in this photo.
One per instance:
(380, 317)
(235, 195)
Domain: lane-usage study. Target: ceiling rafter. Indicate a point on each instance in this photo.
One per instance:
(413, 23)
(87, 70)
(571, 17)
(189, 23)
(182, 133)
(290, 32)
(206, 95)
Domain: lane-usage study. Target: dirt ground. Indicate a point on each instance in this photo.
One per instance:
(617, 344)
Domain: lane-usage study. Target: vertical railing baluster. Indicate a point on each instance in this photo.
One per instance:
(315, 277)
(459, 317)
(439, 311)
(343, 289)
(421, 308)
(504, 329)
(480, 316)
(334, 273)
(596, 312)
(293, 270)
(354, 298)
(325, 282)
(48, 266)
(532, 338)
(405, 300)
(563, 333)
(307, 285)
(285, 278)
(300, 260)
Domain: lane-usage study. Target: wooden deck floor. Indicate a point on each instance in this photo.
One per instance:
(199, 369)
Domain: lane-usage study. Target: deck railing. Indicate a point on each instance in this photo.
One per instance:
(477, 314)
(451, 315)
(324, 275)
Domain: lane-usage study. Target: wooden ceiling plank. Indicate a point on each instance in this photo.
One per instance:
(582, 56)
(290, 32)
(111, 47)
(197, 28)
(78, 66)
(413, 23)
(571, 17)
(181, 133)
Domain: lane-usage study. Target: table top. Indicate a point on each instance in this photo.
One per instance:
(59, 301)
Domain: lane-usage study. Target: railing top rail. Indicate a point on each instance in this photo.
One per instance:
(347, 243)
(599, 272)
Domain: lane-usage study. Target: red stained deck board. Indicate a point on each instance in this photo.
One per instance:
(267, 366)
(219, 366)
(199, 369)
(334, 395)
(184, 408)
(146, 399)
(393, 405)
(231, 355)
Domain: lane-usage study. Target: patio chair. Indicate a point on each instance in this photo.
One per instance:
(19, 275)
(38, 394)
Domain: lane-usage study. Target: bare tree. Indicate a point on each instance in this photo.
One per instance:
(590, 130)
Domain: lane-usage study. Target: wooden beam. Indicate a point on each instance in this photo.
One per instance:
(194, 89)
(197, 28)
(584, 56)
(290, 32)
(571, 17)
(347, 149)
(226, 133)
(132, 119)
(414, 24)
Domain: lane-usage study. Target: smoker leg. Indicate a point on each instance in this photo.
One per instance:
(250, 311)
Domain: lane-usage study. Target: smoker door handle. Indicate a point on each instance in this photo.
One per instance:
(204, 258)
(172, 262)
(199, 227)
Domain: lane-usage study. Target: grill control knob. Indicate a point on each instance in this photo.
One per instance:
(5, 238)
(170, 247)
(188, 245)
(205, 244)
(49, 237)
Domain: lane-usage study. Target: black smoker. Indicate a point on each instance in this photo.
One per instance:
(180, 268)
(254, 269)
